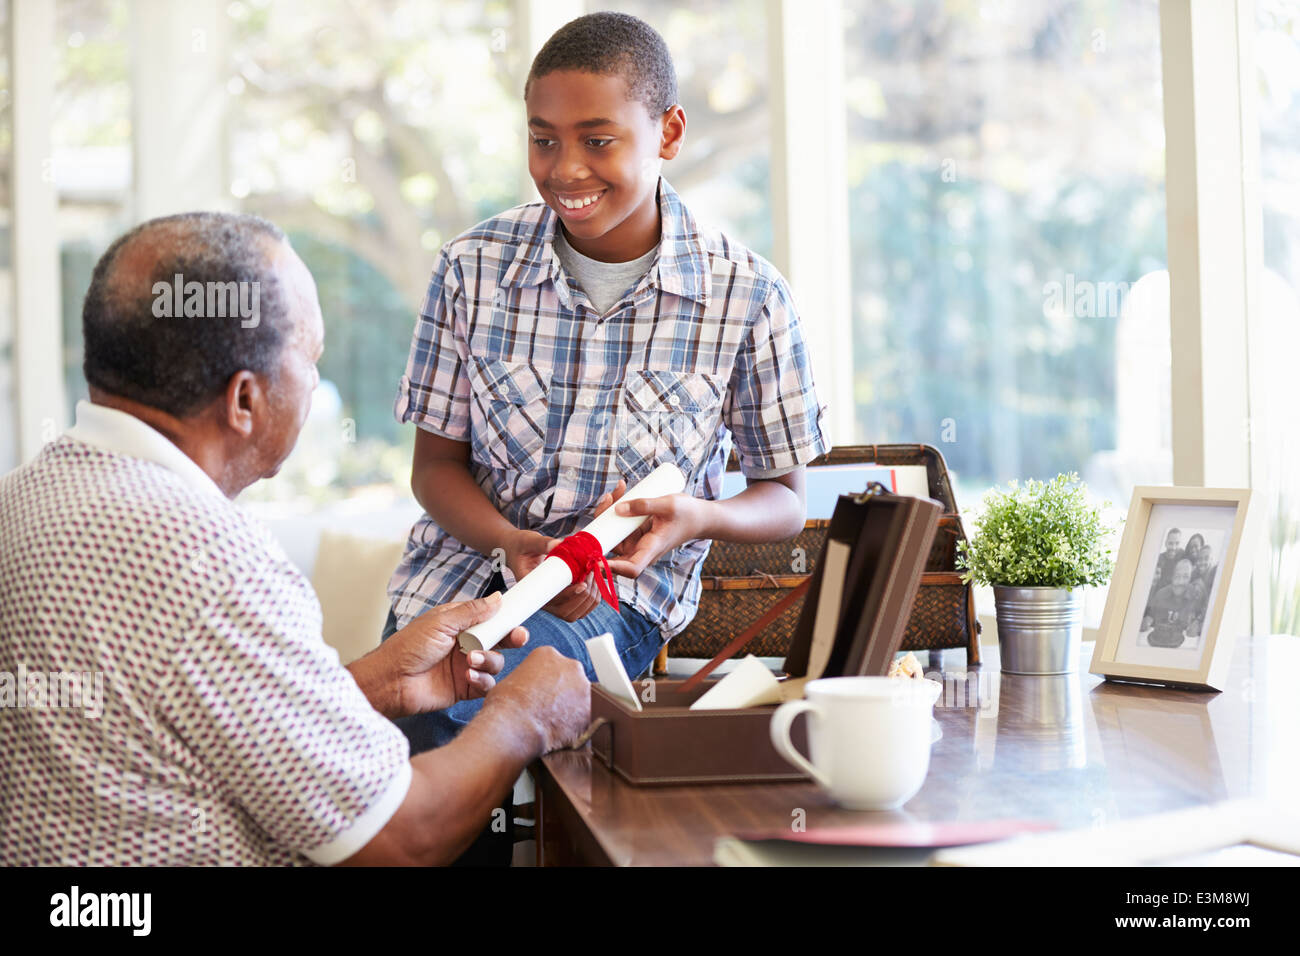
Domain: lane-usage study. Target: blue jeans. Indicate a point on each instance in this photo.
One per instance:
(638, 642)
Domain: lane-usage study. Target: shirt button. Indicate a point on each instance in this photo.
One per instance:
(587, 401)
(674, 399)
(570, 474)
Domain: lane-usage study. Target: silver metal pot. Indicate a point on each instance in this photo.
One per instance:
(1039, 629)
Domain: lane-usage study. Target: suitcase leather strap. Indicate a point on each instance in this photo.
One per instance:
(745, 636)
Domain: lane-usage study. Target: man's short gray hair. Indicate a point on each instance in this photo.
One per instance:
(142, 343)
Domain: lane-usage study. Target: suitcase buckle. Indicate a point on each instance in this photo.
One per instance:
(874, 488)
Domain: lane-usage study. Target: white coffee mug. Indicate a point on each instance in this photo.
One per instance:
(869, 737)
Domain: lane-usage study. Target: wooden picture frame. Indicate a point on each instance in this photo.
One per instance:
(1183, 633)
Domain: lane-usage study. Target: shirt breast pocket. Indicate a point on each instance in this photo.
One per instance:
(511, 401)
(668, 416)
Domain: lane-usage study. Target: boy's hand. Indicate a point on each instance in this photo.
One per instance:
(529, 548)
(673, 520)
(526, 551)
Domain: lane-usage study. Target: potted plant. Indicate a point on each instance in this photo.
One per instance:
(1038, 545)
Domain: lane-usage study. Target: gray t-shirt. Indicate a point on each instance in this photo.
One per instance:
(604, 282)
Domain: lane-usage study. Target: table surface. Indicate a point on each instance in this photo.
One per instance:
(1074, 750)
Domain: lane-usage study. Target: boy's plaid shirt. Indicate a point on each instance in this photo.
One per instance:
(557, 402)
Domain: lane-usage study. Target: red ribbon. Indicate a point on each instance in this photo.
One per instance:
(584, 555)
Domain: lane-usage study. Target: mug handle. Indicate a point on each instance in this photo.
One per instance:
(780, 730)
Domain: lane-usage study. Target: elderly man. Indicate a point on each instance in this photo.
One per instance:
(1173, 609)
(228, 732)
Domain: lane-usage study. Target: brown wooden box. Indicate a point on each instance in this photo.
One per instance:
(668, 743)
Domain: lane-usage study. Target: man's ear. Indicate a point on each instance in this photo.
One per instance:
(244, 402)
(673, 132)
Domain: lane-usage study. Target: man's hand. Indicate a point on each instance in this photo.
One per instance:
(543, 705)
(527, 549)
(421, 668)
(673, 520)
(549, 691)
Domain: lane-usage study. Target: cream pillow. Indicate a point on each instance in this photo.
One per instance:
(351, 580)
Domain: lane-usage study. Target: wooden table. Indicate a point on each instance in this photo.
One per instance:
(1073, 750)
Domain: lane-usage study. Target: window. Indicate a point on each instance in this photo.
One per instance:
(1277, 322)
(1007, 225)
(91, 138)
(372, 134)
(720, 50)
(8, 413)
(1005, 186)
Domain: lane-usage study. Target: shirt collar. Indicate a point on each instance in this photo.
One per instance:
(123, 434)
(682, 268)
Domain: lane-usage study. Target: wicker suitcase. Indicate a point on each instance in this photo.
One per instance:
(739, 582)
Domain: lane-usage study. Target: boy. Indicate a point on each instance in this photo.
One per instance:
(567, 348)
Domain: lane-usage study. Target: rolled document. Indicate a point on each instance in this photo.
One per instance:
(532, 592)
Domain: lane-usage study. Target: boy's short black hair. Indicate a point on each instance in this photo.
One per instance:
(609, 43)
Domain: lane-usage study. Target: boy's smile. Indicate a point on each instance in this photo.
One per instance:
(594, 154)
(579, 206)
